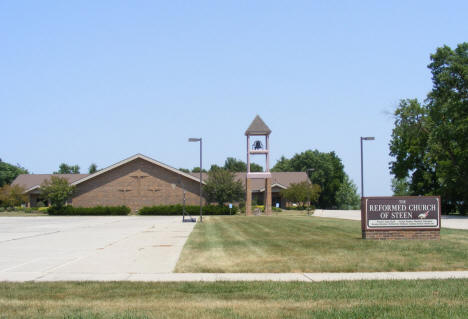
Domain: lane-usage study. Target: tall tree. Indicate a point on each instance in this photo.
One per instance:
(215, 167)
(408, 146)
(282, 165)
(235, 165)
(9, 172)
(92, 168)
(68, 169)
(221, 187)
(430, 141)
(400, 187)
(254, 167)
(328, 173)
(347, 196)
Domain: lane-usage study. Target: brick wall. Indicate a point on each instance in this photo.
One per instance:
(136, 184)
(402, 234)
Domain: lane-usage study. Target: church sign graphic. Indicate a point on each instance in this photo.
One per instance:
(402, 213)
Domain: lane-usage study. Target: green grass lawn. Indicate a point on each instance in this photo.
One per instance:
(347, 299)
(311, 244)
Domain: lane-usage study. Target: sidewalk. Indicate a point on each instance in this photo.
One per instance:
(211, 277)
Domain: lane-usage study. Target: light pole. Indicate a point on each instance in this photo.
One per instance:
(308, 193)
(192, 139)
(368, 138)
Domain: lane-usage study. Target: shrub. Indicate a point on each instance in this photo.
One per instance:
(191, 210)
(297, 207)
(12, 195)
(89, 211)
(242, 209)
(43, 209)
(57, 190)
(276, 209)
(301, 193)
(222, 187)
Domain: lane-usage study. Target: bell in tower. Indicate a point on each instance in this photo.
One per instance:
(258, 128)
(257, 145)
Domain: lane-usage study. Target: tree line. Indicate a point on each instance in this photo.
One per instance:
(329, 188)
(231, 164)
(74, 169)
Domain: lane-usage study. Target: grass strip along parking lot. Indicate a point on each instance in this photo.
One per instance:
(236, 244)
(343, 299)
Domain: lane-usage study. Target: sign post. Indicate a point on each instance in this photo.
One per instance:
(400, 217)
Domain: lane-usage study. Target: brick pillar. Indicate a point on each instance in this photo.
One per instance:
(268, 196)
(248, 197)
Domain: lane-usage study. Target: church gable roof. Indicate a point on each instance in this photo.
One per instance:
(132, 158)
(258, 127)
(33, 181)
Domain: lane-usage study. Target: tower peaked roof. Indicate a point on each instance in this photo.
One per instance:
(258, 127)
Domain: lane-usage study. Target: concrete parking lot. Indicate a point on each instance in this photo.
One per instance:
(98, 248)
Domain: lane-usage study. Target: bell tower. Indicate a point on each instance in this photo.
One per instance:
(260, 131)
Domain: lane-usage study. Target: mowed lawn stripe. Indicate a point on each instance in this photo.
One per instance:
(310, 244)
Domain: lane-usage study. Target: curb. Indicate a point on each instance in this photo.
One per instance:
(213, 277)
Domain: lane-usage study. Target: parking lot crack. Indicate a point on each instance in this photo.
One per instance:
(31, 236)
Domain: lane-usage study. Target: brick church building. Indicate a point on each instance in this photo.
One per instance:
(140, 181)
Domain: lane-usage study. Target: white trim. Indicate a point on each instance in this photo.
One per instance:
(278, 185)
(143, 157)
(274, 185)
(31, 189)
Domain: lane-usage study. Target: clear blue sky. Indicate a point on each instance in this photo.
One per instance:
(98, 81)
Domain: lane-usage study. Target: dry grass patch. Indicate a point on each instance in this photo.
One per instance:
(310, 244)
(364, 299)
(23, 214)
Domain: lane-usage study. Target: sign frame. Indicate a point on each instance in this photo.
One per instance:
(364, 219)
